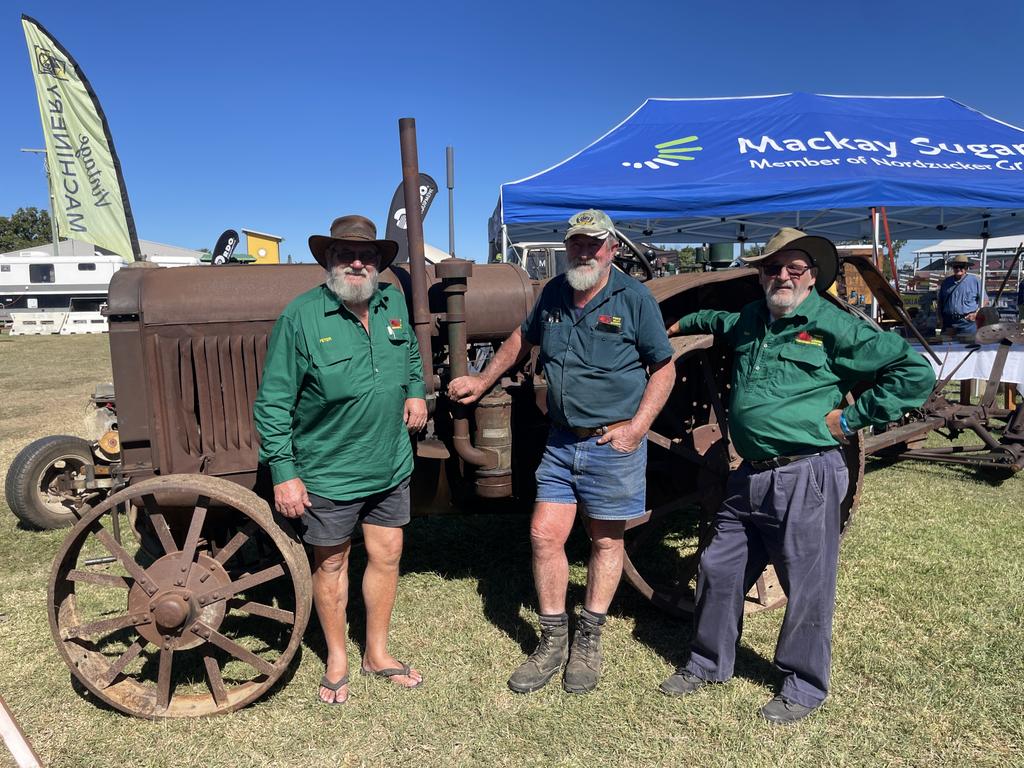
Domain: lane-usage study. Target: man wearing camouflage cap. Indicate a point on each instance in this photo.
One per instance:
(606, 357)
(796, 356)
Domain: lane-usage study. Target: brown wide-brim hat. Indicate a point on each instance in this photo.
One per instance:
(821, 251)
(353, 229)
(959, 261)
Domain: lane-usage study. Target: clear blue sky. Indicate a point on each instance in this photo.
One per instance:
(280, 116)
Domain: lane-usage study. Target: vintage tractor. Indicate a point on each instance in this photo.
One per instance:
(180, 593)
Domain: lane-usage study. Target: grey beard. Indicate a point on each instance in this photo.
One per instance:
(352, 294)
(583, 277)
(776, 302)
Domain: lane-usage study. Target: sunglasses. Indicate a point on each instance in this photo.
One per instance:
(793, 270)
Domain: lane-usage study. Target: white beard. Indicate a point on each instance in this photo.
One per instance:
(583, 277)
(784, 304)
(352, 293)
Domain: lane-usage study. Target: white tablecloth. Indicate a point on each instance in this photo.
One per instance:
(978, 366)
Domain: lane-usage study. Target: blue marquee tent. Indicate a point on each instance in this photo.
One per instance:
(735, 169)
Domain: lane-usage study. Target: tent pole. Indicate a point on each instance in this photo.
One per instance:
(504, 242)
(874, 258)
(984, 264)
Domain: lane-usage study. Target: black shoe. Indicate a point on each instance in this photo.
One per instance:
(782, 711)
(681, 683)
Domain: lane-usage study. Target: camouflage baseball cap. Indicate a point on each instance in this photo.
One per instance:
(591, 222)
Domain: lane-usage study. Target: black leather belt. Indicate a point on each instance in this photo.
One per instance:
(584, 432)
(781, 461)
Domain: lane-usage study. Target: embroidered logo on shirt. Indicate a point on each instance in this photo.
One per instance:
(805, 338)
(609, 323)
(395, 324)
(325, 339)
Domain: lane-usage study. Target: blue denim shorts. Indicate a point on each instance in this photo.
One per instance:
(610, 485)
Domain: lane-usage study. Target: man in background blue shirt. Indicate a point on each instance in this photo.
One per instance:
(960, 297)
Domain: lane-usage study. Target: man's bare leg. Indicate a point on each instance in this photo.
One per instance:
(549, 530)
(605, 568)
(380, 583)
(330, 595)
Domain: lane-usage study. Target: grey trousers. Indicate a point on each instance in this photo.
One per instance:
(790, 517)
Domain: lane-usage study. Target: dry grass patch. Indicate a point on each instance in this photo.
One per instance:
(927, 653)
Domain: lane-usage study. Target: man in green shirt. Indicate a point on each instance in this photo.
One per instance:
(342, 388)
(796, 357)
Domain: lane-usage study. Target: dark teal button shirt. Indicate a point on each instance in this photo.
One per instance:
(789, 373)
(595, 363)
(332, 398)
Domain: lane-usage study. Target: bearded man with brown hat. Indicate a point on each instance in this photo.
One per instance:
(796, 357)
(342, 389)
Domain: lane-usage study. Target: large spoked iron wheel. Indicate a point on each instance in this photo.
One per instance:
(206, 625)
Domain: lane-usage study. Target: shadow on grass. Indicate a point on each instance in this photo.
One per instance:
(494, 551)
(985, 476)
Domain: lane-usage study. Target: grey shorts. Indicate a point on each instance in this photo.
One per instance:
(329, 523)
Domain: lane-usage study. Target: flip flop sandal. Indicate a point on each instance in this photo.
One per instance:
(333, 686)
(403, 670)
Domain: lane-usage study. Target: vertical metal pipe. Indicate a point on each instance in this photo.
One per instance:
(417, 261)
(450, 158)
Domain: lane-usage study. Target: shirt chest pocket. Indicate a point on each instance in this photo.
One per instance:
(606, 350)
(553, 339)
(808, 358)
(398, 354)
(336, 373)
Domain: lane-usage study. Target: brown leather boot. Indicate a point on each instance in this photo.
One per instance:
(548, 658)
(584, 667)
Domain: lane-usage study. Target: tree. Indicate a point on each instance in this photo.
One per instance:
(24, 228)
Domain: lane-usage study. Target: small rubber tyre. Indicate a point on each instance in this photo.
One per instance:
(39, 482)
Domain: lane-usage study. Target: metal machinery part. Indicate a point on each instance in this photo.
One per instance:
(999, 431)
(193, 631)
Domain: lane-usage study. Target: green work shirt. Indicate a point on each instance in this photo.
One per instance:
(331, 402)
(595, 360)
(789, 373)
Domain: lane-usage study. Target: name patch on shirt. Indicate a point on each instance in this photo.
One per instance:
(325, 339)
(805, 338)
(609, 323)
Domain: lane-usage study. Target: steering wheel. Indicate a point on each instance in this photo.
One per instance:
(630, 256)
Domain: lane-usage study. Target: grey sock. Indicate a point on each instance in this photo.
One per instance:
(593, 618)
(554, 619)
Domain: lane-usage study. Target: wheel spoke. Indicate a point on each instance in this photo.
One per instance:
(133, 568)
(236, 650)
(118, 666)
(100, 579)
(236, 543)
(220, 693)
(195, 528)
(163, 682)
(163, 531)
(105, 626)
(259, 609)
(244, 583)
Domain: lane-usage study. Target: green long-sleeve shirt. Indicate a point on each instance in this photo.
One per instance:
(789, 373)
(331, 401)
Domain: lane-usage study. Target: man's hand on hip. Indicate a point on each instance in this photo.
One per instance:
(290, 498)
(832, 422)
(415, 414)
(624, 439)
(466, 389)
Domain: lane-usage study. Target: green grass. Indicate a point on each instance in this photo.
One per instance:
(928, 660)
